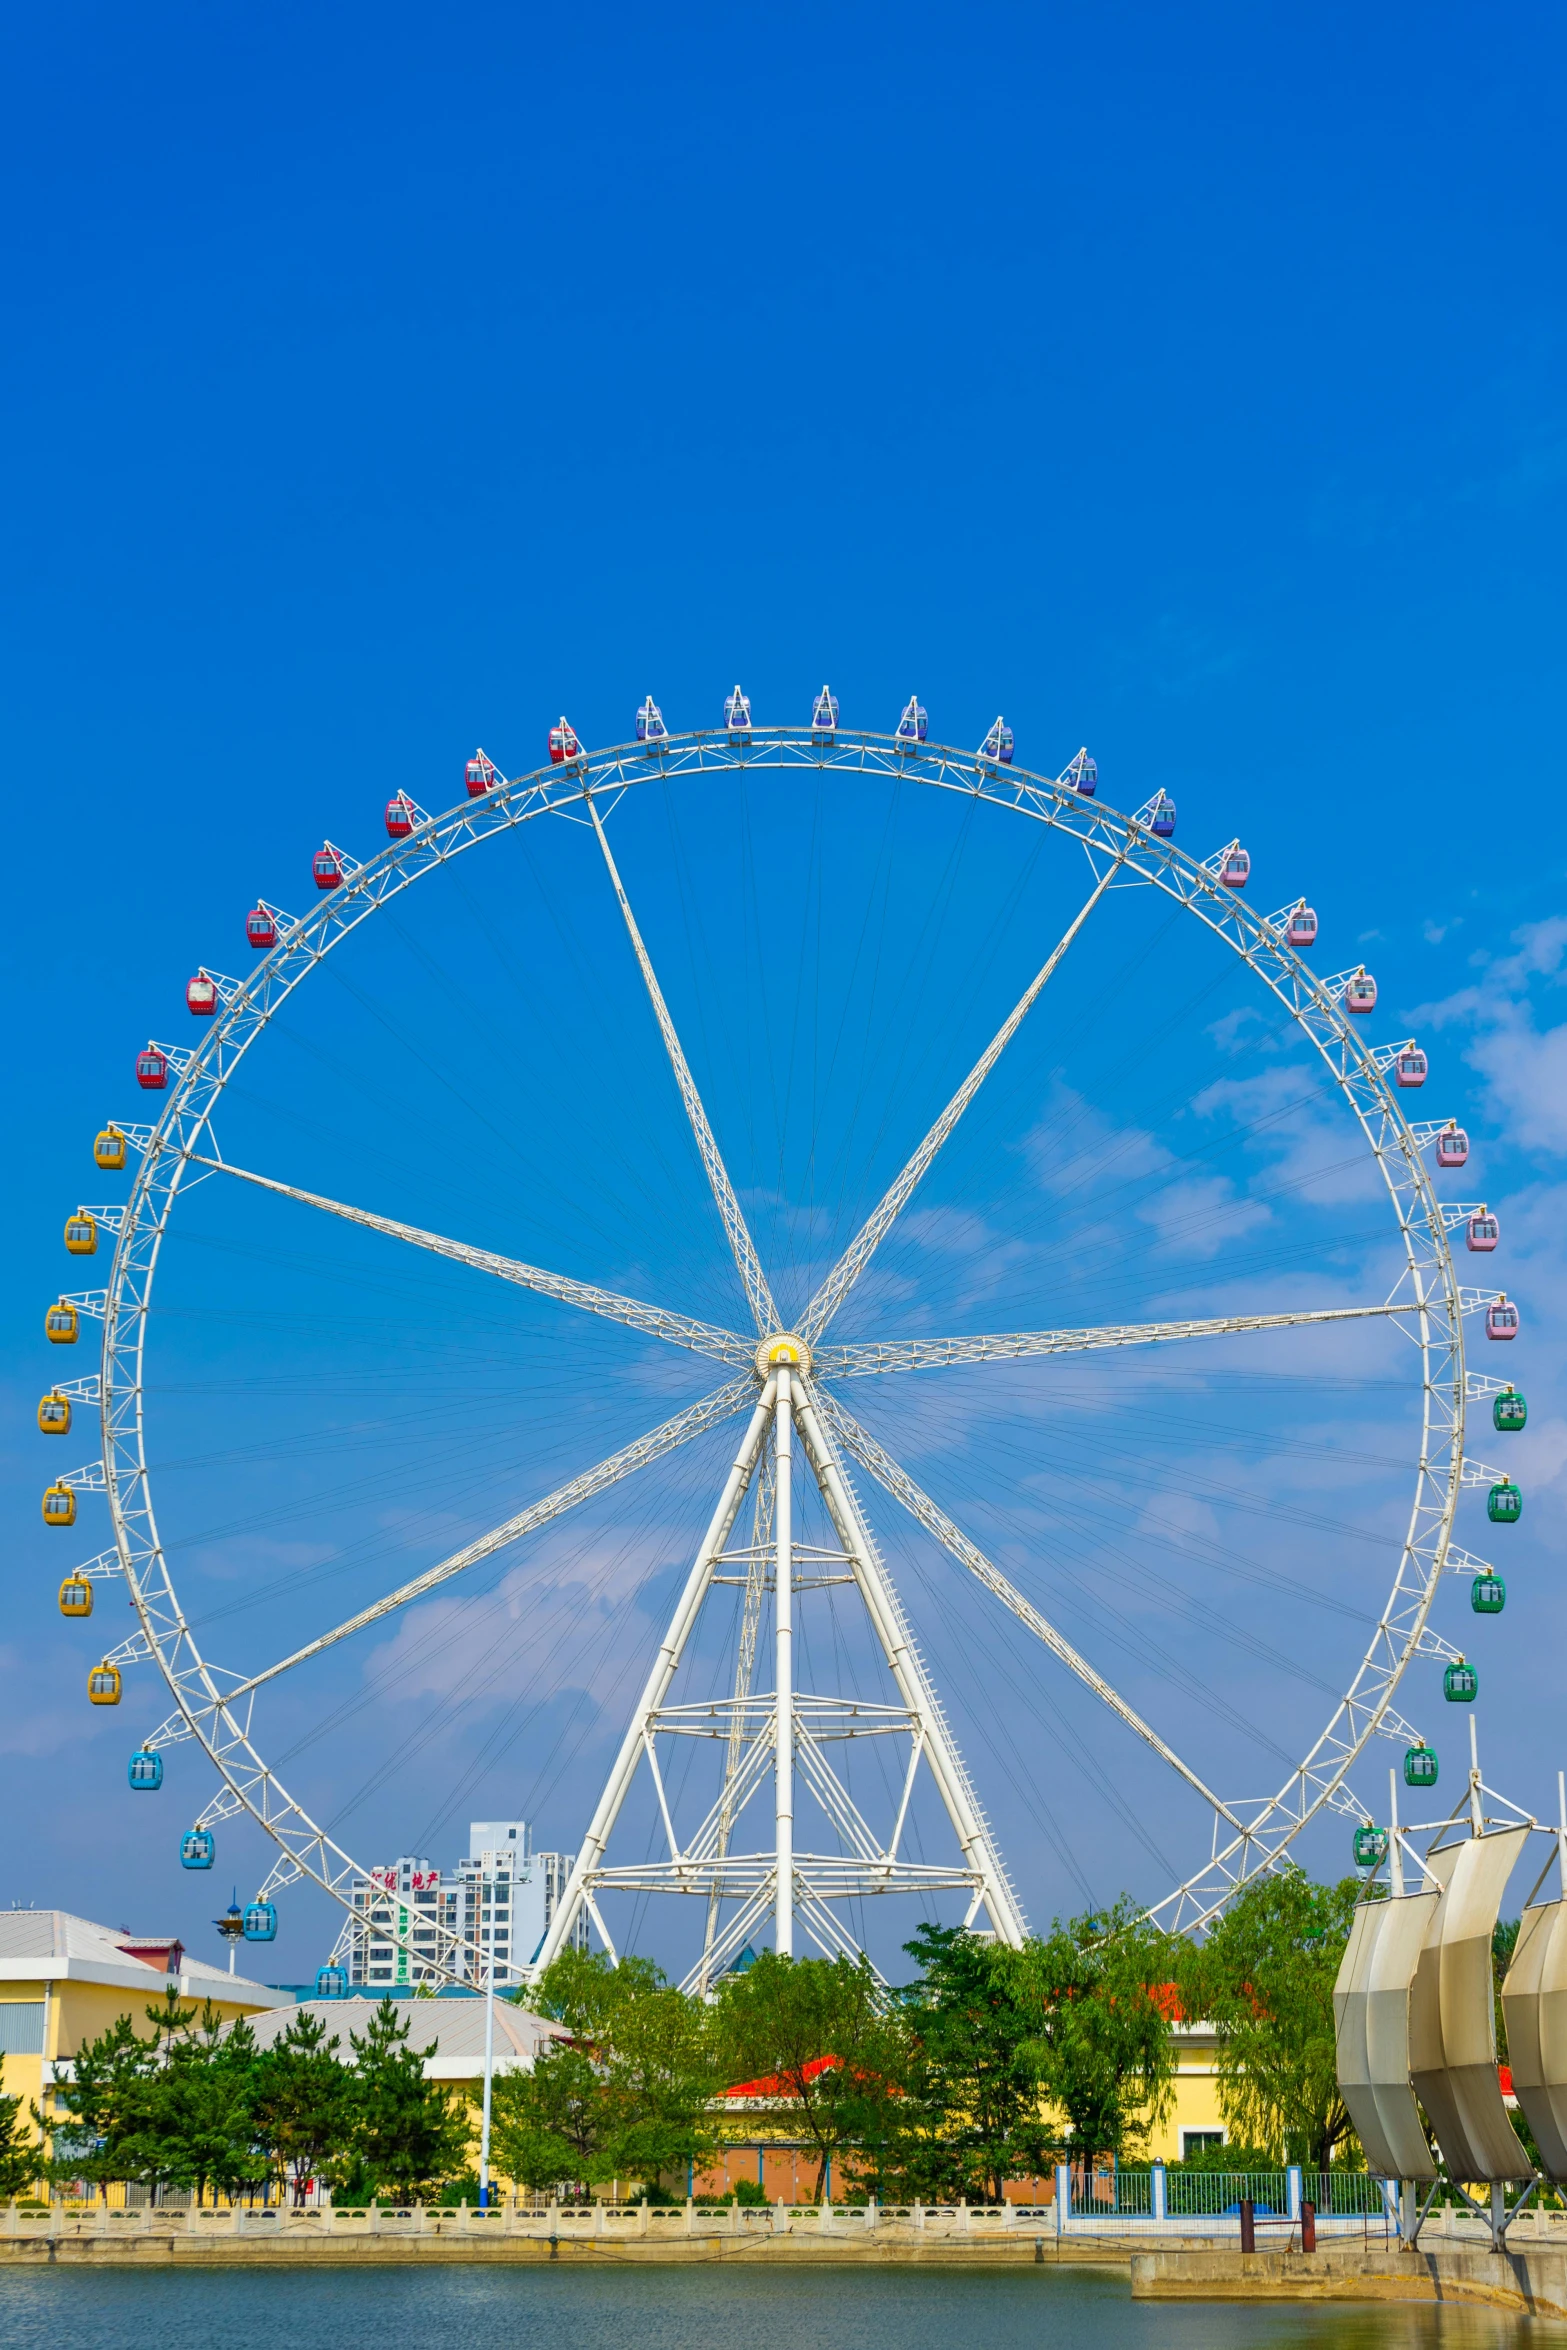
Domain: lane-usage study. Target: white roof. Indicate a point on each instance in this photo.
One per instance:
(448, 2033)
(53, 1946)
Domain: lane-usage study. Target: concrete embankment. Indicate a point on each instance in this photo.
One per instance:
(208, 2239)
(1531, 2281)
(173, 2248)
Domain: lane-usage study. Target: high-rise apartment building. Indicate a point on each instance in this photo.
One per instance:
(412, 1924)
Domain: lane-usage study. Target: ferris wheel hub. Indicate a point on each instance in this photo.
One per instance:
(781, 1350)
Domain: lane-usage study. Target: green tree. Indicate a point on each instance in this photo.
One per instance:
(21, 2155)
(551, 2125)
(1264, 1979)
(303, 2103)
(97, 2130)
(588, 1992)
(202, 2109)
(407, 2131)
(1100, 1991)
(969, 2118)
(626, 2096)
(1504, 1941)
(822, 2028)
(172, 2108)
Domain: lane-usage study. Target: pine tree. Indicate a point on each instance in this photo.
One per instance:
(204, 2104)
(303, 2102)
(106, 2107)
(406, 2130)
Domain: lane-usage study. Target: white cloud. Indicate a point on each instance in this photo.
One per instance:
(1076, 1151)
(448, 1644)
(1523, 1062)
(1201, 1215)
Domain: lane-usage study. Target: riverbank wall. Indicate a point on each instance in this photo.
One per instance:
(595, 2237)
(1355, 2263)
(1530, 2281)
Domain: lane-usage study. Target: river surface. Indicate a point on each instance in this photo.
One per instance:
(701, 2309)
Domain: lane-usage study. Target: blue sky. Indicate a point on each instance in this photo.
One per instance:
(1185, 382)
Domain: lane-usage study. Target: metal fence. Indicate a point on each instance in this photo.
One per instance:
(1219, 2194)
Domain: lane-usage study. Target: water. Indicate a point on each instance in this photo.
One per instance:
(704, 2309)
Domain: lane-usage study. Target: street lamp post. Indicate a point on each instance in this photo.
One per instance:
(231, 1925)
(489, 2078)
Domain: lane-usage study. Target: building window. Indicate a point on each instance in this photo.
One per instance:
(1194, 2141)
(21, 2027)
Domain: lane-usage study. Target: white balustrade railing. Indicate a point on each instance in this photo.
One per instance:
(1071, 2213)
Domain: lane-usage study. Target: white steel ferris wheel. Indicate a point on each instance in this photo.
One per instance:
(780, 1844)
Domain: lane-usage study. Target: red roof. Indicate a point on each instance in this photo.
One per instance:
(163, 1951)
(784, 2085)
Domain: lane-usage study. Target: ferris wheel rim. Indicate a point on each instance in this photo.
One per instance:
(1272, 1823)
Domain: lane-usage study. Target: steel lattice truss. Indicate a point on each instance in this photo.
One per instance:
(795, 1428)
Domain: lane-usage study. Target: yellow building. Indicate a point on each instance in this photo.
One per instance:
(763, 2141)
(64, 1980)
(1194, 2119)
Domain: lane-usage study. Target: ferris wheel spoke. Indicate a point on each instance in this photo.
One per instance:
(713, 1409)
(704, 1338)
(1010, 1346)
(757, 1292)
(897, 1481)
(890, 1207)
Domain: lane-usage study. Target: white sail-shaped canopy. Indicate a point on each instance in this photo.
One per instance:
(1452, 2012)
(1534, 2006)
(1371, 2024)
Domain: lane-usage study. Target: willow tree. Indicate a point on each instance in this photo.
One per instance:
(1264, 1978)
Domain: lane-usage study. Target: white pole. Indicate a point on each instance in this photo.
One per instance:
(1476, 1808)
(783, 1911)
(489, 2065)
(1394, 1851)
(1561, 1833)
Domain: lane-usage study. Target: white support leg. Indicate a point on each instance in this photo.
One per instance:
(657, 1686)
(908, 1672)
(783, 1618)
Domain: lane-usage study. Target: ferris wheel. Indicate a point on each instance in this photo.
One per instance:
(770, 1833)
